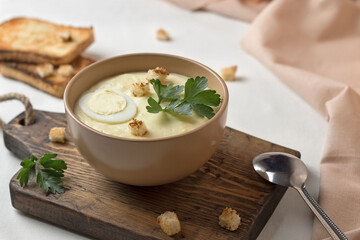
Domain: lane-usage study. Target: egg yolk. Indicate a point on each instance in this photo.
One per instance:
(106, 103)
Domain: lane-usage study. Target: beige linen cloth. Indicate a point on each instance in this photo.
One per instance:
(314, 47)
(243, 9)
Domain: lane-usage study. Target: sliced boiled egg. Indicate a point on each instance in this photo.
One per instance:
(109, 106)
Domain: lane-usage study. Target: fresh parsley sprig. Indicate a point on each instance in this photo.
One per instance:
(196, 98)
(49, 172)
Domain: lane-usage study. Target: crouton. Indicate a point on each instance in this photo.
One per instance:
(44, 70)
(140, 89)
(157, 73)
(162, 35)
(65, 70)
(229, 219)
(169, 223)
(228, 74)
(65, 36)
(57, 134)
(137, 127)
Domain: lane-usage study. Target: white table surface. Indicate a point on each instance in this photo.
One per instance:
(260, 104)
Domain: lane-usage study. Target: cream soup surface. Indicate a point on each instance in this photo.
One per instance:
(158, 125)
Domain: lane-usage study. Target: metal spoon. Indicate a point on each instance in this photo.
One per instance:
(289, 171)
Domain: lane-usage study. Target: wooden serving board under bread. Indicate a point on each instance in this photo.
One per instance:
(98, 207)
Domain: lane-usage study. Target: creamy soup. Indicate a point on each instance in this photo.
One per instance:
(110, 105)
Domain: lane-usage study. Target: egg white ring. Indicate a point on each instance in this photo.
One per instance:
(125, 115)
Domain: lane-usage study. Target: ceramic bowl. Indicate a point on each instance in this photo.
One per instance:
(145, 162)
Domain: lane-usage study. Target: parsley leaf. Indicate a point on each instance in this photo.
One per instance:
(49, 172)
(166, 91)
(154, 106)
(207, 97)
(28, 171)
(172, 105)
(194, 86)
(183, 108)
(203, 110)
(49, 182)
(196, 98)
(47, 162)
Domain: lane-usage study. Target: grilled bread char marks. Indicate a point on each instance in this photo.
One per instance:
(54, 84)
(36, 41)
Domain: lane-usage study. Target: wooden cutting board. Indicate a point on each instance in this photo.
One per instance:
(98, 207)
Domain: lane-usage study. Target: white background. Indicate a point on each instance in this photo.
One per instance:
(260, 104)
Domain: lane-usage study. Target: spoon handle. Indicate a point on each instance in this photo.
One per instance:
(325, 220)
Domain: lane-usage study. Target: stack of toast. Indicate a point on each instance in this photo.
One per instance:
(43, 54)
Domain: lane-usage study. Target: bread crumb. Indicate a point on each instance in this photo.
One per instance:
(169, 223)
(162, 35)
(65, 70)
(45, 70)
(157, 73)
(140, 89)
(57, 134)
(228, 74)
(65, 36)
(229, 219)
(137, 127)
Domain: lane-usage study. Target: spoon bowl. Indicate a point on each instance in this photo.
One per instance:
(281, 168)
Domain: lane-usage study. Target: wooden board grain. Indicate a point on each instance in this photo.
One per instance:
(98, 207)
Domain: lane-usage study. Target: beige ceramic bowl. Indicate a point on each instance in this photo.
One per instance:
(145, 162)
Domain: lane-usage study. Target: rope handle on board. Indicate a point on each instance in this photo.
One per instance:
(29, 112)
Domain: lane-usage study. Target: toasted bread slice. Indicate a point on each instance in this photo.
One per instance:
(53, 83)
(36, 41)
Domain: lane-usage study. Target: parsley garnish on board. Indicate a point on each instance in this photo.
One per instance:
(196, 98)
(48, 170)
